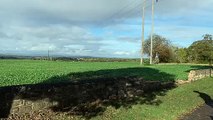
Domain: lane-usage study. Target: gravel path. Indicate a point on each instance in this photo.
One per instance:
(205, 112)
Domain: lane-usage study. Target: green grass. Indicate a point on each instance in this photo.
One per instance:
(18, 72)
(175, 103)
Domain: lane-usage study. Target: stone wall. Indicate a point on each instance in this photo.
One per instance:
(85, 98)
(199, 74)
(82, 98)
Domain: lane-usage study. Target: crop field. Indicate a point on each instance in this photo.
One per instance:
(19, 72)
(99, 100)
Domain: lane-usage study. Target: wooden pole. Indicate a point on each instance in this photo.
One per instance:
(143, 30)
(152, 32)
(48, 54)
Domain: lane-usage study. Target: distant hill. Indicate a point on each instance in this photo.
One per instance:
(70, 58)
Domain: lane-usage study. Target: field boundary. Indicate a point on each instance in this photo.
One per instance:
(195, 75)
(200, 74)
(84, 98)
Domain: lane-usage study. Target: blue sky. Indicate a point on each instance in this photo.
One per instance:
(101, 28)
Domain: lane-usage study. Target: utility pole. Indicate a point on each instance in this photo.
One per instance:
(48, 54)
(142, 39)
(152, 32)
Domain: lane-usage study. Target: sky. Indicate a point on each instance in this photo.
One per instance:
(98, 28)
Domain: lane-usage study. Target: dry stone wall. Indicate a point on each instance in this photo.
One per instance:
(86, 98)
(199, 74)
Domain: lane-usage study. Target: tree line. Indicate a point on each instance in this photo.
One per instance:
(200, 51)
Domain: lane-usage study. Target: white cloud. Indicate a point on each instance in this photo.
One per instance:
(69, 27)
(122, 53)
(55, 38)
(130, 54)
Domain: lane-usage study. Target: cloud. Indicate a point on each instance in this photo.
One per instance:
(95, 11)
(183, 7)
(54, 38)
(97, 27)
(3, 35)
(66, 11)
(129, 39)
(122, 53)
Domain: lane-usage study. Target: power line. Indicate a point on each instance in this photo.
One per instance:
(131, 12)
(126, 11)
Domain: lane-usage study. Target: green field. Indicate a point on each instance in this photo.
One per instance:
(166, 104)
(18, 72)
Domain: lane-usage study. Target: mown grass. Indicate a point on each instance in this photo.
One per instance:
(175, 104)
(18, 72)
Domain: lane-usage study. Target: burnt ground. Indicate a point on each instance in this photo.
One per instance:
(205, 112)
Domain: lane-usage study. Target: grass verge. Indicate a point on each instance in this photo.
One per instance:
(177, 102)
